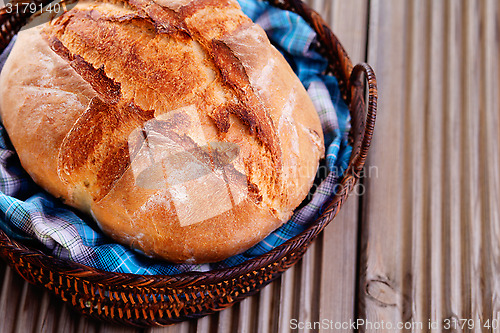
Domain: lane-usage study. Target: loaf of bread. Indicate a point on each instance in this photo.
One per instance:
(175, 124)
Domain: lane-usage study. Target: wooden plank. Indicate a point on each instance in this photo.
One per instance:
(286, 300)
(452, 156)
(66, 320)
(87, 326)
(338, 267)
(339, 246)
(225, 321)
(246, 315)
(321, 6)
(206, 323)
(265, 310)
(383, 233)
(491, 172)
(418, 51)
(42, 324)
(184, 327)
(348, 20)
(488, 247)
(471, 224)
(10, 300)
(25, 311)
(434, 146)
(308, 274)
(6, 278)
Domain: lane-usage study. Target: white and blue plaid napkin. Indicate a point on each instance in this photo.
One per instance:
(29, 214)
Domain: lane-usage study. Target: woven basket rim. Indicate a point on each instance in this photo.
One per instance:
(353, 92)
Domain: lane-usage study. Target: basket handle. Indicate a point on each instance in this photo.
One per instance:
(371, 115)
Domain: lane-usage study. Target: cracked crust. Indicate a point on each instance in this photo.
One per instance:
(174, 123)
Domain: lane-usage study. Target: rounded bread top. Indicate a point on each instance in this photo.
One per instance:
(174, 123)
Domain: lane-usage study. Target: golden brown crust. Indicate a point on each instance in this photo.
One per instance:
(95, 152)
(107, 89)
(41, 98)
(249, 109)
(183, 131)
(160, 229)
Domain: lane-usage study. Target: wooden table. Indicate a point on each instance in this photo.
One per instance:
(421, 245)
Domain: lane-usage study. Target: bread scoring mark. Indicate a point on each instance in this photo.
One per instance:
(170, 161)
(73, 159)
(121, 17)
(196, 5)
(119, 11)
(94, 154)
(220, 116)
(254, 193)
(175, 5)
(213, 22)
(315, 139)
(158, 71)
(161, 17)
(166, 21)
(230, 67)
(113, 166)
(250, 109)
(107, 89)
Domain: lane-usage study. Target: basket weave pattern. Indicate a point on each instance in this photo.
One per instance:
(141, 300)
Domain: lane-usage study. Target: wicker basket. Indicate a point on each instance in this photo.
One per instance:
(141, 300)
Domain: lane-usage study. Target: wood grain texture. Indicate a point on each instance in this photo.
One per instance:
(381, 258)
(339, 241)
(430, 249)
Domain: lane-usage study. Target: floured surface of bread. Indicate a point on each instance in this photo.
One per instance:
(175, 123)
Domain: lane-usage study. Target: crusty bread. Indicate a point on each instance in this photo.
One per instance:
(174, 123)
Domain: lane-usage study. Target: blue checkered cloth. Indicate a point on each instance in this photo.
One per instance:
(29, 214)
